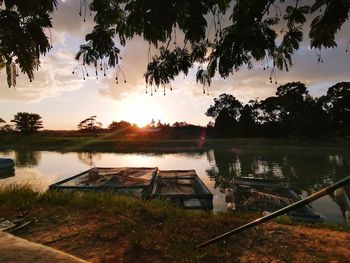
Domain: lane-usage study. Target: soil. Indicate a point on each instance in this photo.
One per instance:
(97, 238)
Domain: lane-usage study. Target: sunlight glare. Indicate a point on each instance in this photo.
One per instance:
(141, 110)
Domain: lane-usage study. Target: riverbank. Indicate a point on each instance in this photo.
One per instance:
(103, 227)
(107, 143)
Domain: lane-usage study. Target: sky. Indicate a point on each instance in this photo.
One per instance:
(64, 99)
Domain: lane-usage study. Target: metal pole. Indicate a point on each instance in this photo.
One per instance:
(279, 212)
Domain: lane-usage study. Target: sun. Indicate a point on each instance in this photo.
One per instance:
(140, 110)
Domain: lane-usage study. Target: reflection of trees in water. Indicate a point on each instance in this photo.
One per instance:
(27, 158)
(304, 169)
(224, 167)
(89, 158)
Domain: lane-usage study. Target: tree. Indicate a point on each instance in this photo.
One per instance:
(221, 36)
(22, 35)
(337, 104)
(225, 101)
(224, 124)
(118, 126)
(246, 123)
(27, 123)
(180, 124)
(226, 111)
(90, 125)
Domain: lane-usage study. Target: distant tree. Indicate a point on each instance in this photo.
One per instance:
(121, 125)
(90, 125)
(337, 105)
(7, 128)
(210, 125)
(152, 123)
(27, 122)
(225, 101)
(225, 124)
(179, 124)
(227, 109)
(246, 123)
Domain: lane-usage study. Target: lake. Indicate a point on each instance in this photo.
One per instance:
(305, 169)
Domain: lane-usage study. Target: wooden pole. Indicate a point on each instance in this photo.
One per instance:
(279, 212)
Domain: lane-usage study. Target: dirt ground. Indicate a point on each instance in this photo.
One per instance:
(98, 239)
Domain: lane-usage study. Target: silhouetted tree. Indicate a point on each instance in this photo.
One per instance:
(246, 123)
(152, 123)
(337, 104)
(121, 125)
(90, 125)
(224, 124)
(225, 101)
(292, 112)
(226, 109)
(27, 122)
(179, 124)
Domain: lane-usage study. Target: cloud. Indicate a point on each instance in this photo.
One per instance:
(53, 78)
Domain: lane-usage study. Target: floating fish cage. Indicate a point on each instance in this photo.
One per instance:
(266, 195)
(182, 187)
(130, 181)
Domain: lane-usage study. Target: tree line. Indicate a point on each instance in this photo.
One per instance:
(291, 112)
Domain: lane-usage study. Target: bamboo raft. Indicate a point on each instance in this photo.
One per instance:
(182, 187)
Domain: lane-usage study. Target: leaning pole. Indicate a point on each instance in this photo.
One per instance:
(279, 212)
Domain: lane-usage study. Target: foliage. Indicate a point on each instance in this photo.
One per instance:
(222, 34)
(227, 102)
(27, 122)
(22, 34)
(337, 104)
(292, 112)
(121, 125)
(90, 124)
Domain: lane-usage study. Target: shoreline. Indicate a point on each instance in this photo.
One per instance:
(103, 144)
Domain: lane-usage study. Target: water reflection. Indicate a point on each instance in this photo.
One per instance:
(89, 158)
(305, 169)
(26, 158)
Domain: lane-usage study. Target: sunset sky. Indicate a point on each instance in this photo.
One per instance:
(63, 99)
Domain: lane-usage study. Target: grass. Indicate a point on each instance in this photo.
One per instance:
(109, 142)
(322, 225)
(105, 227)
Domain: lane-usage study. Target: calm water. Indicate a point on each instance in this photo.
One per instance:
(306, 170)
